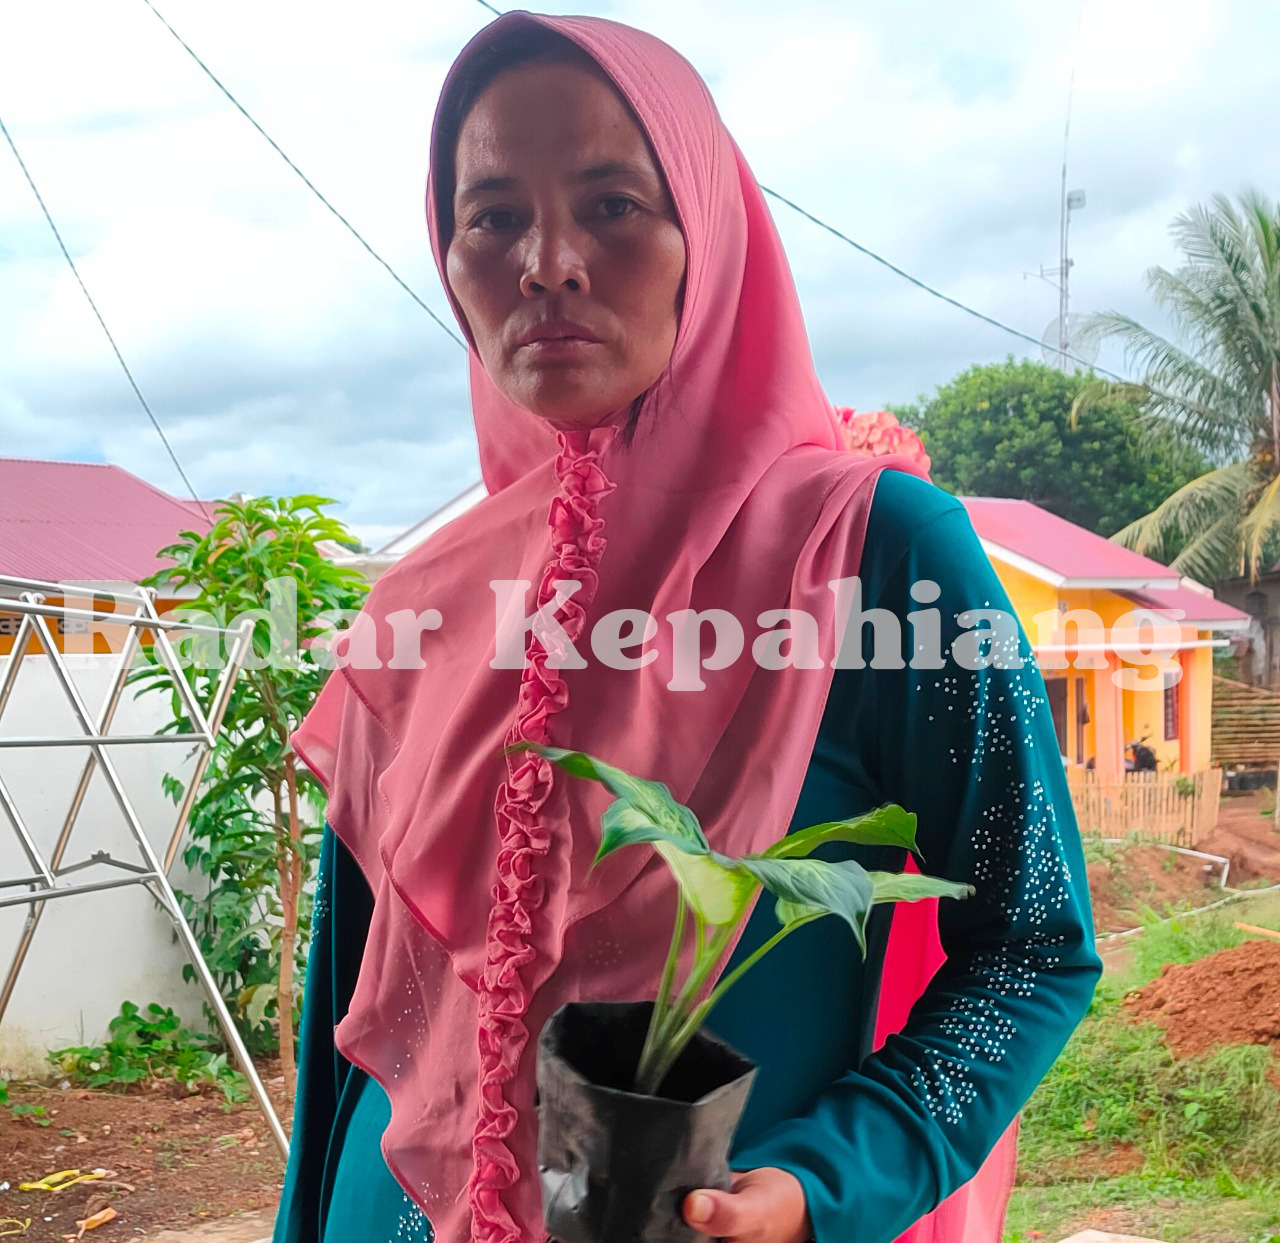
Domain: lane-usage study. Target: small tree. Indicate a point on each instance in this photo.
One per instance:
(261, 559)
(1006, 429)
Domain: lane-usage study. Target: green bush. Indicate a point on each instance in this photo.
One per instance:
(252, 838)
(150, 1045)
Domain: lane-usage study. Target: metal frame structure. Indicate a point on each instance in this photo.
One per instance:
(49, 879)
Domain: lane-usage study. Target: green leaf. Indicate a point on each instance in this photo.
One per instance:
(809, 888)
(255, 1002)
(715, 888)
(651, 798)
(712, 886)
(885, 826)
(645, 813)
(905, 887)
(624, 824)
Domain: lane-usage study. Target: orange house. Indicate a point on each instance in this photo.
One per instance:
(1082, 601)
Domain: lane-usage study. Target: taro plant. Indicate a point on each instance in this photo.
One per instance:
(719, 892)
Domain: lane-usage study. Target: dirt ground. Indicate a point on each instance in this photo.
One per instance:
(1147, 876)
(1246, 837)
(171, 1161)
(1232, 997)
(1140, 876)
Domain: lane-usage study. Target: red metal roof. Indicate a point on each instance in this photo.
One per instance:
(1081, 557)
(1059, 546)
(80, 521)
(1205, 612)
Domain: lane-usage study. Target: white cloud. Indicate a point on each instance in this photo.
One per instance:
(280, 357)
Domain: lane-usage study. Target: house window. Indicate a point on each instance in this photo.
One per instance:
(1056, 690)
(1171, 718)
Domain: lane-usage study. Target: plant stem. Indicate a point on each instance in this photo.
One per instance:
(698, 1015)
(709, 950)
(741, 969)
(671, 1041)
(662, 1003)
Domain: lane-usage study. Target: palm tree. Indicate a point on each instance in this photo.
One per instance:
(1216, 389)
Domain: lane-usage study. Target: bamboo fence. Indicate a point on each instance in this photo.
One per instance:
(1246, 724)
(1163, 807)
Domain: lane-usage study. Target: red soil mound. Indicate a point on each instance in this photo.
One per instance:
(1232, 997)
(1143, 875)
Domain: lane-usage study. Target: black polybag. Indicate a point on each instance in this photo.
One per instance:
(615, 1166)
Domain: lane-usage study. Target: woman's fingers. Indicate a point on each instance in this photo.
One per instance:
(765, 1206)
(714, 1213)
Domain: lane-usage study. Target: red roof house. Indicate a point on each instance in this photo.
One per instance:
(80, 522)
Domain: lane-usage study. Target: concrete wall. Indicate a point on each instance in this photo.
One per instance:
(94, 951)
(1258, 660)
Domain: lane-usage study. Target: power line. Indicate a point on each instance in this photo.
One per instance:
(871, 254)
(306, 180)
(173, 457)
(929, 289)
(893, 267)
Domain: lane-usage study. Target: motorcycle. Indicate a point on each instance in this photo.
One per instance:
(1138, 757)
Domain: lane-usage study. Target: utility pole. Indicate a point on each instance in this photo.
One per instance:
(1069, 201)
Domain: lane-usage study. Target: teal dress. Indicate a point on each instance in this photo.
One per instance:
(876, 1139)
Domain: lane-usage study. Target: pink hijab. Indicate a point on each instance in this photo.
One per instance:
(735, 495)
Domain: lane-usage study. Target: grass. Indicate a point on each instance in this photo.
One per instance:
(1117, 1083)
(1176, 1211)
(1204, 1132)
(1186, 938)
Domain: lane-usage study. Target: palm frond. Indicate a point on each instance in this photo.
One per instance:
(1260, 525)
(1202, 408)
(1097, 394)
(1208, 383)
(1192, 508)
(1213, 553)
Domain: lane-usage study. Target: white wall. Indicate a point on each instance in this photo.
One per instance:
(93, 951)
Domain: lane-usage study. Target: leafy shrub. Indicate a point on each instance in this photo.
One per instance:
(262, 559)
(237, 919)
(146, 1046)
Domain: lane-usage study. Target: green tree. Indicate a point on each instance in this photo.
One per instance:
(1214, 388)
(1005, 429)
(261, 560)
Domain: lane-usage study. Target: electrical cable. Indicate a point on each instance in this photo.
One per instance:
(937, 293)
(306, 180)
(173, 457)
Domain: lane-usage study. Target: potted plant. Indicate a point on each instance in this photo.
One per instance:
(637, 1104)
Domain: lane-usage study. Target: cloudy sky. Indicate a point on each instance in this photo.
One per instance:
(280, 357)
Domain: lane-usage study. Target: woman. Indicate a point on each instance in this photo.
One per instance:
(655, 444)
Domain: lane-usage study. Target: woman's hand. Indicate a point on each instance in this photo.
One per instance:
(765, 1206)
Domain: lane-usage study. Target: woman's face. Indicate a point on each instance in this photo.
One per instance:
(566, 256)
